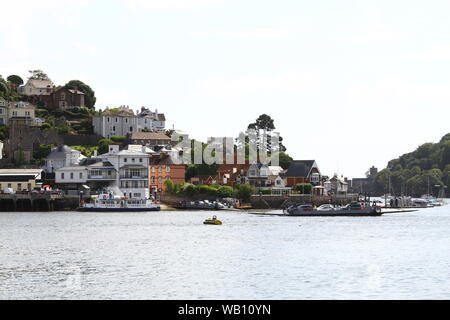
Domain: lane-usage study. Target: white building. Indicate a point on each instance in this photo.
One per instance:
(336, 185)
(131, 167)
(122, 121)
(60, 157)
(37, 87)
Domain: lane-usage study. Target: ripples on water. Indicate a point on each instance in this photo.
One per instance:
(172, 255)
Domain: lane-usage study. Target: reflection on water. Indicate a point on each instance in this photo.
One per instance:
(172, 255)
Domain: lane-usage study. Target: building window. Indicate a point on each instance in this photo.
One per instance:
(125, 160)
(160, 180)
(133, 159)
(167, 169)
(153, 180)
(107, 119)
(114, 128)
(71, 176)
(153, 169)
(62, 175)
(131, 129)
(160, 170)
(140, 159)
(81, 175)
(117, 120)
(63, 96)
(167, 177)
(19, 187)
(9, 185)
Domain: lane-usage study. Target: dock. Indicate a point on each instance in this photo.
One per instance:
(30, 201)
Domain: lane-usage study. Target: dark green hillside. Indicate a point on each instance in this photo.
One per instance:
(425, 169)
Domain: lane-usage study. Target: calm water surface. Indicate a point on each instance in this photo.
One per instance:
(172, 255)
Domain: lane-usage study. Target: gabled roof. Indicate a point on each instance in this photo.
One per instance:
(60, 152)
(300, 168)
(40, 84)
(101, 164)
(149, 136)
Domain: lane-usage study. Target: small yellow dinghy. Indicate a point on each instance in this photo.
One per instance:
(212, 221)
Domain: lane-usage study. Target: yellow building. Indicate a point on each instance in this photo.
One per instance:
(19, 179)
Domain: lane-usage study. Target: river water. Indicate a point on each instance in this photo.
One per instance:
(172, 255)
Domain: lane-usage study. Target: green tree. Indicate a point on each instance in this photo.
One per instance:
(285, 160)
(16, 80)
(38, 75)
(103, 145)
(226, 192)
(244, 192)
(89, 94)
(303, 188)
(170, 186)
(189, 189)
(264, 125)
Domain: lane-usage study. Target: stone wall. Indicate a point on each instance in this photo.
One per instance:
(26, 140)
(81, 139)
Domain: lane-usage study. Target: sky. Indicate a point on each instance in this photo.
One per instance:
(350, 84)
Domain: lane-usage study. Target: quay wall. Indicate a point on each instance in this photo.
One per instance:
(37, 202)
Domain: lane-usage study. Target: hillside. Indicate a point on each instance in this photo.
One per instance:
(412, 173)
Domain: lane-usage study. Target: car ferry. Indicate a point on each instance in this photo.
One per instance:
(107, 202)
(354, 209)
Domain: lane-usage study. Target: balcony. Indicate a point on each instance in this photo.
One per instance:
(129, 176)
(101, 177)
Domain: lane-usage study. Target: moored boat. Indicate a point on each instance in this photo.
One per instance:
(201, 205)
(107, 202)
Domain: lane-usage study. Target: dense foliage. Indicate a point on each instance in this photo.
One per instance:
(190, 190)
(425, 170)
(303, 188)
(89, 94)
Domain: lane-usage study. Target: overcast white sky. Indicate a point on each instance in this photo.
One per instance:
(349, 83)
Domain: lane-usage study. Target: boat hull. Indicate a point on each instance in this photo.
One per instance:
(118, 209)
(348, 214)
(366, 212)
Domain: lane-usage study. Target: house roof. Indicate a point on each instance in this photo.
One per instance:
(155, 161)
(139, 148)
(40, 84)
(71, 168)
(300, 168)
(101, 164)
(121, 111)
(17, 177)
(60, 152)
(20, 171)
(149, 136)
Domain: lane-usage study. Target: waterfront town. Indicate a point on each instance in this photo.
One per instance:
(53, 140)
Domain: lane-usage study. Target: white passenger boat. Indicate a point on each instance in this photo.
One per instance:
(107, 202)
